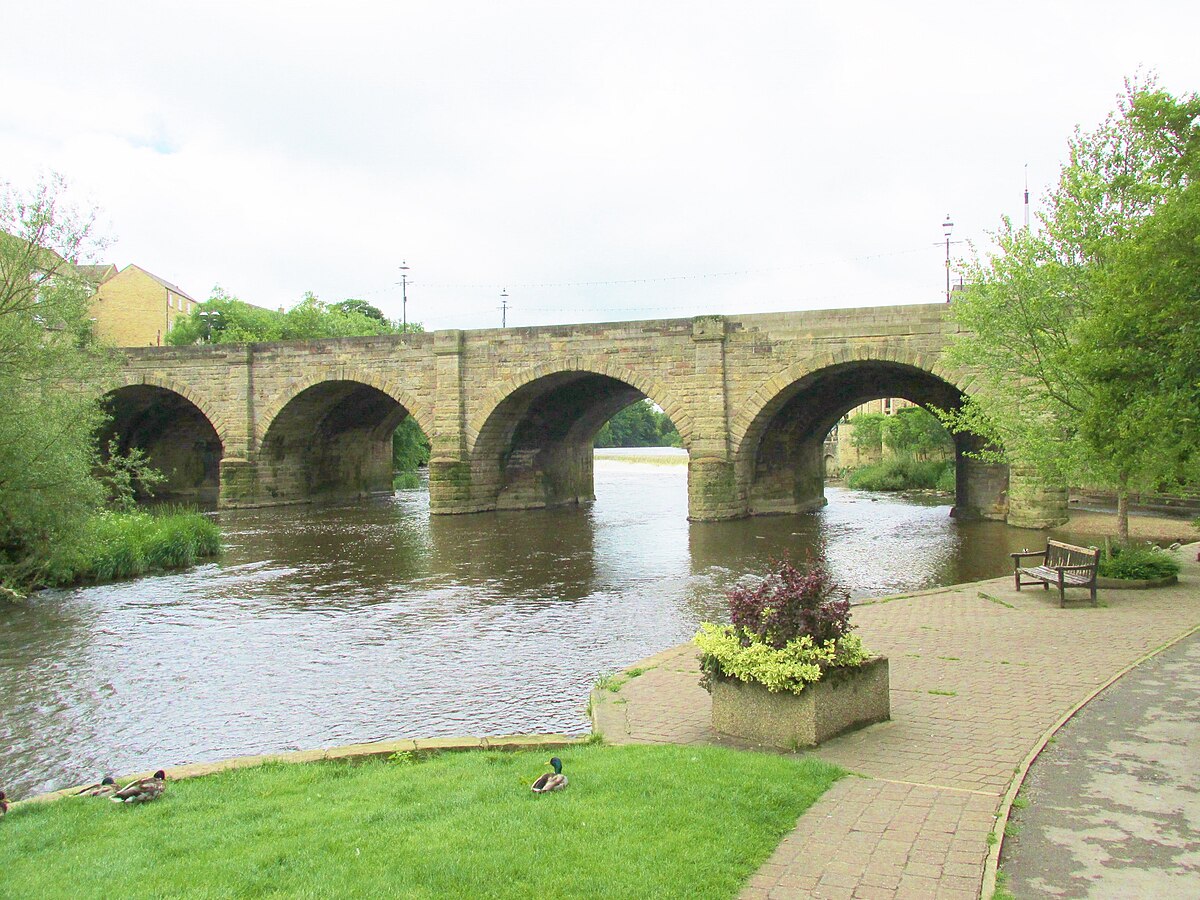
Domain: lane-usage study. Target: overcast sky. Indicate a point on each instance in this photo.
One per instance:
(601, 162)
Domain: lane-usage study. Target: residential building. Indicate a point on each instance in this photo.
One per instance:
(133, 307)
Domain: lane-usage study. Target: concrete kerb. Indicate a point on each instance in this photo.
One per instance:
(506, 743)
(991, 865)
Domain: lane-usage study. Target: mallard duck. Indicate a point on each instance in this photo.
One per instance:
(3, 803)
(142, 790)
(105, 788)
(551, 781)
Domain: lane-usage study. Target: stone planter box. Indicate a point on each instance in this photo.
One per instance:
(843, 700)
(1136, 584)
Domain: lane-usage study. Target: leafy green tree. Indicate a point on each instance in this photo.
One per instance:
(640, 424)
(410, 447)
(913, 431)
(47, 420)
(1071, 331)
(866, 434)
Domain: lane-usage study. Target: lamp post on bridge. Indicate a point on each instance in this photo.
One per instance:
(404, 296)
(504, 308)
(207, 316)
(948, 228)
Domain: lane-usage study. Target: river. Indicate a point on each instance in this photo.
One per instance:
(326, 625)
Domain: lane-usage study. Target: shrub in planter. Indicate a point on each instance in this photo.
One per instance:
(785, 631)
(786, 671)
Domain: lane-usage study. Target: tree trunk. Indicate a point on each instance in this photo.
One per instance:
(1123, 512)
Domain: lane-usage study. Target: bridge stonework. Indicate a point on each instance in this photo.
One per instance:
(511, 413)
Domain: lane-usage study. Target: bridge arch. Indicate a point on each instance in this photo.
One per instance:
(177, 431)
(777, 439)
(331, 435)
(647, 387)
(413, 406)
(530, 441)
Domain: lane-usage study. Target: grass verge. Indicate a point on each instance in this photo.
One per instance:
(125, 545)
(661, 821)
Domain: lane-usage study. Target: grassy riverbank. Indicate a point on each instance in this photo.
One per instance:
(635, 821)
(128, 544)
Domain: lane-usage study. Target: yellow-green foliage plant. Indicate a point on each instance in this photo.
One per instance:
(785, 631)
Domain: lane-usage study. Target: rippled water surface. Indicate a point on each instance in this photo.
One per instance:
(337, 624)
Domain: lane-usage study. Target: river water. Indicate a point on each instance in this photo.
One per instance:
(326, 625)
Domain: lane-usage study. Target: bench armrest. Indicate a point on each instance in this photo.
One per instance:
(1028, 553)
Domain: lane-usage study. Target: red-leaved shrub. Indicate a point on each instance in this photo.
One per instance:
(789, 603)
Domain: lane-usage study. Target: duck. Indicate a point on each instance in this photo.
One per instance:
(142, 790)
(106, 787)
(551, 781)
(3, 803)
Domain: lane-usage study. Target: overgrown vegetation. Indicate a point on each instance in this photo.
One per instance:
(903, 473)
(785, 631)
(1081, 335)
(636, 821)
(131, 543)
(1138, 563)
(640, 424)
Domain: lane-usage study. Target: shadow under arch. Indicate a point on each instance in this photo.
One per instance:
(780, 459)
(332, 439)
(178, 438)
(533, 449)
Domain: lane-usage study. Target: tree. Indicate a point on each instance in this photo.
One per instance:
(48, 421)
(866, 435)
(638, 425)
(912, 431)
(1071, 331)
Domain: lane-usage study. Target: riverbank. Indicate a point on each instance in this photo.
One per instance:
(982, 675)
(1158, 529)
(632, 821)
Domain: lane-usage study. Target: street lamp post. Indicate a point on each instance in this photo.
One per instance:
(207, 316)
(504, 308)
(948, 228)
(404, 296)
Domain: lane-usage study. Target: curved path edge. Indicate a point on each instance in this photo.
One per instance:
(992, 865)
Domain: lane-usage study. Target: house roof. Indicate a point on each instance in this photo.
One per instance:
(98, 273)
(170, 287)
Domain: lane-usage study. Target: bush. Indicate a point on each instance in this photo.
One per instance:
(947, 482)
(902, 473)
(785, 631)
(1137, 563)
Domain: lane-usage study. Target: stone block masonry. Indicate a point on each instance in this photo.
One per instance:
(511, 413)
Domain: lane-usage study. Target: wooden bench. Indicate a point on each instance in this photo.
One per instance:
(1063, 565)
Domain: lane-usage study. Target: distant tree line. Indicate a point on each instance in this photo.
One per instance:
(640, 424)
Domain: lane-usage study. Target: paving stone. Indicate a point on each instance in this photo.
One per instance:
(918, 822)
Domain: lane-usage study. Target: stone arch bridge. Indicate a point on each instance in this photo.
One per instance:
(511, 413)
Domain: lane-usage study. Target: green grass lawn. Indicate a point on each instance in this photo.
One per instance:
(638, 821)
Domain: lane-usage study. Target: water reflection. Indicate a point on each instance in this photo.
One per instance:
(335, 624)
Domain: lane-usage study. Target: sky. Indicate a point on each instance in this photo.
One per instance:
(599, 162)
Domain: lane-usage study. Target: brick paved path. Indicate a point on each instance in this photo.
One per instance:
(979, 673)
